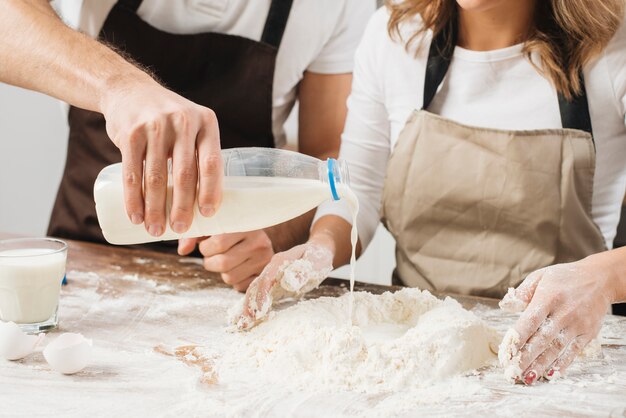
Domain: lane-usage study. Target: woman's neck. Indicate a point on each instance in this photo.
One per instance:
(501, 26)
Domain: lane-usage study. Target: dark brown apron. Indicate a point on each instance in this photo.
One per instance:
(232, 75)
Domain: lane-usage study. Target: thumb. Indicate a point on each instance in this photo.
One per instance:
(517, 300)
(186, 245)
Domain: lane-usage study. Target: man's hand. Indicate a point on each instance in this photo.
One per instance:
(563, 308)
(239, 257)
(145, 120)
(148, 122)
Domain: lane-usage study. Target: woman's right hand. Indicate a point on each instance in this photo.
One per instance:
(289, 274)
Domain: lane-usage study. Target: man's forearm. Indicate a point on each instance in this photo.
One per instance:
(290, 233)
(39, 52)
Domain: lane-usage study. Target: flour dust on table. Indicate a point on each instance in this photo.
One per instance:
(159, 333)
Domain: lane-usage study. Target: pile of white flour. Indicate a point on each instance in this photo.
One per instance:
(399, 341)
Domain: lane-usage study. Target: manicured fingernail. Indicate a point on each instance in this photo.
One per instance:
(155, 230)
(530, 377)
(136, 218)
(553, 374)
(179, 227)
(207, 211)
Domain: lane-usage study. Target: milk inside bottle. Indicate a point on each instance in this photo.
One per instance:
(262, 187)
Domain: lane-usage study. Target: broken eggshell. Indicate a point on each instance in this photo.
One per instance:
(69, 353)
(15, 344)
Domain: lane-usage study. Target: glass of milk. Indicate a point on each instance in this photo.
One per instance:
(31, 272)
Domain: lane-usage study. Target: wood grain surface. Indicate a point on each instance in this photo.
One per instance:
(148, 312)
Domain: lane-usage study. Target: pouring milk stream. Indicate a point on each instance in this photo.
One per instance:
(262, 187)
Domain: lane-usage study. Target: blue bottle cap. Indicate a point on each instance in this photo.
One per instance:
(331, 178)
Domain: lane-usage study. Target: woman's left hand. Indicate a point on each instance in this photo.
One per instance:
(566, 304)
(290, 273)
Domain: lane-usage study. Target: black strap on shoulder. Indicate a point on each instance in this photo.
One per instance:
(574, 113)
(276, 22)
(439, 58)
(132, 5)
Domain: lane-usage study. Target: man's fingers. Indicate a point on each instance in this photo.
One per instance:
(186, 245)
(133, 154)
(243, 286)
(222, 263)
(184, 179)
(243, 272)
(235, 250)
(210, 167)
(155, 180)
(219, 244)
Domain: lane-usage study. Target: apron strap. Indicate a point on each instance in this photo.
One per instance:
(131, 5)
(439, 58)
(276, 22)
(574, 113)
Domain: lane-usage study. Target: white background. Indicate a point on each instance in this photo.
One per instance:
(33, 141)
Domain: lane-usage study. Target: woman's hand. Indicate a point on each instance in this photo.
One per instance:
(291, 273)
(564, 308)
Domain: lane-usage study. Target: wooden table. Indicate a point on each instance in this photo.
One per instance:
(147, 311)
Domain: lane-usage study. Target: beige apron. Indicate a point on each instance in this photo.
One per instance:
(475, 210)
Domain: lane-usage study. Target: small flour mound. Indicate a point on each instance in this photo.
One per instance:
(399, 341)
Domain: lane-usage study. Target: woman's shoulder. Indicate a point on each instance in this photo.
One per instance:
(379, 34)
(376, 30)
(617, 45)
(612, 62)
(380, 18)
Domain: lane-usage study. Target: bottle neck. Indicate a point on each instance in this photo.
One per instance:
(334, 173)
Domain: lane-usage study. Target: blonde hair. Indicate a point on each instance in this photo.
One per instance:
(566, 34)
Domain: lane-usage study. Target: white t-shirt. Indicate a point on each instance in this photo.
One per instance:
(321, 35)
(495, 89)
